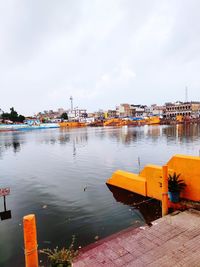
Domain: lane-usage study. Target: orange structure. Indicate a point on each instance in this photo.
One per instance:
(30, 241)
(153, 120)
(149, 180)
(179, 118)
(189, 168)
(115, 122)
(71, 124)
(123, 122)
(165, 190)
(129, 181)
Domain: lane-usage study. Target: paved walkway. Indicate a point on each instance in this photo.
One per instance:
(171, 241)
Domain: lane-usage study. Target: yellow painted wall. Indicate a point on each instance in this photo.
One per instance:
(128, 181)
(148, 182)
(189, 168)
(72, 124)
(153, 175)
(153, 120)
(116, 121)
(179, 118)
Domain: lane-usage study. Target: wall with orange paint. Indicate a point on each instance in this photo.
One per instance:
(153, 120)
(189, 168)
(72, 124)
(153, 175)
(129, 181)
(149, 181)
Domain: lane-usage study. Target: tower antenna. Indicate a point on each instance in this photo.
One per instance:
(71, 99)
(186, 94)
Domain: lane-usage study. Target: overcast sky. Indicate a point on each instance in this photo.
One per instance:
(102, 52)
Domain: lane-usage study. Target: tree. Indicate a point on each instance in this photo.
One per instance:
(5, 116)
(64, 116)
(21, 118)
(13, 116)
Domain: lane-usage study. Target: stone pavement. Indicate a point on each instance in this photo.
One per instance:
(173, 240)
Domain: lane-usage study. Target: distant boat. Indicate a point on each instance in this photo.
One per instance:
(24, 127)
(71, 124)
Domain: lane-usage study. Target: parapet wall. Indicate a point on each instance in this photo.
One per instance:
(129, 181)
(189, 168)
(149, 181)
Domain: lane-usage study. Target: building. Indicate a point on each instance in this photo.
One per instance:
(131, 110)
(112, 113)
(125, 110)
(77, 114)
(50, 116)
(61, 111)
(191, 109)
(99, 115)
(138, 110)
(157, 110)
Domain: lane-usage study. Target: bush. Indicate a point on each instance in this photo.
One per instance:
(61, 257)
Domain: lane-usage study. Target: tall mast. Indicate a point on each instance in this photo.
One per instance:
(71, 99)
(186, 94)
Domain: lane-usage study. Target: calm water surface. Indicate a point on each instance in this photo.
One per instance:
(60, 176)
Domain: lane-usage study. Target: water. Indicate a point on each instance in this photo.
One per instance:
(60, 175)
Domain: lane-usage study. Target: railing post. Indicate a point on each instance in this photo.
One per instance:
(165, 190)
(30, 241)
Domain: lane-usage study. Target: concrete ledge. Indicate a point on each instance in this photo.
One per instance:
(129, 181)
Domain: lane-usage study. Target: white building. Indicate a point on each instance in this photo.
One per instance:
(77, 114)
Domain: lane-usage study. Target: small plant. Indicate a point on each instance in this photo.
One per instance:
(61, 257)
(175, 186)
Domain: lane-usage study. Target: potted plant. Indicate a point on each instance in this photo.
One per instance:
(61, 257)
(175, 186)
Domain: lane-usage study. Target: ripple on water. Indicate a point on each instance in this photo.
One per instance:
(60, 176)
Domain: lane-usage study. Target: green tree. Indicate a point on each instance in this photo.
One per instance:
(13, 116)
(21, 118)
(64, 116)
(5, 116)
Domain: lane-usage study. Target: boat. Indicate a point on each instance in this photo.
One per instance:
(24, 127)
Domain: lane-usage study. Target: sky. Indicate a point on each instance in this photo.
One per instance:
(101, 52)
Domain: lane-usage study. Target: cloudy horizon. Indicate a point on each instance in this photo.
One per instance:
(102, 52)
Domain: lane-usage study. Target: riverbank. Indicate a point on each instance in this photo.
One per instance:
(114, 122)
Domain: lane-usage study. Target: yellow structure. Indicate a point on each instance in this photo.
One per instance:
(123, 122)
(179, 118)
(189, 168)
(164, 190)
(153, 120)
(115, 122)
(30, 241)
(128, 181)
(149, 181)
(105, 115)
(71, 124)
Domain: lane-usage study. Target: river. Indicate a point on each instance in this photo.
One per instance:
(60, 174)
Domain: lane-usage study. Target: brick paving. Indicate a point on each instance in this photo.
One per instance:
(173, 240)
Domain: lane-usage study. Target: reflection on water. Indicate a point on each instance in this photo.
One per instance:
(147, 208)
(11, 141)
(60, 175)
(5, 214)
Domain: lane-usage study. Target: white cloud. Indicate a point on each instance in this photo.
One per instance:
(101, 52)
(126, 74)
